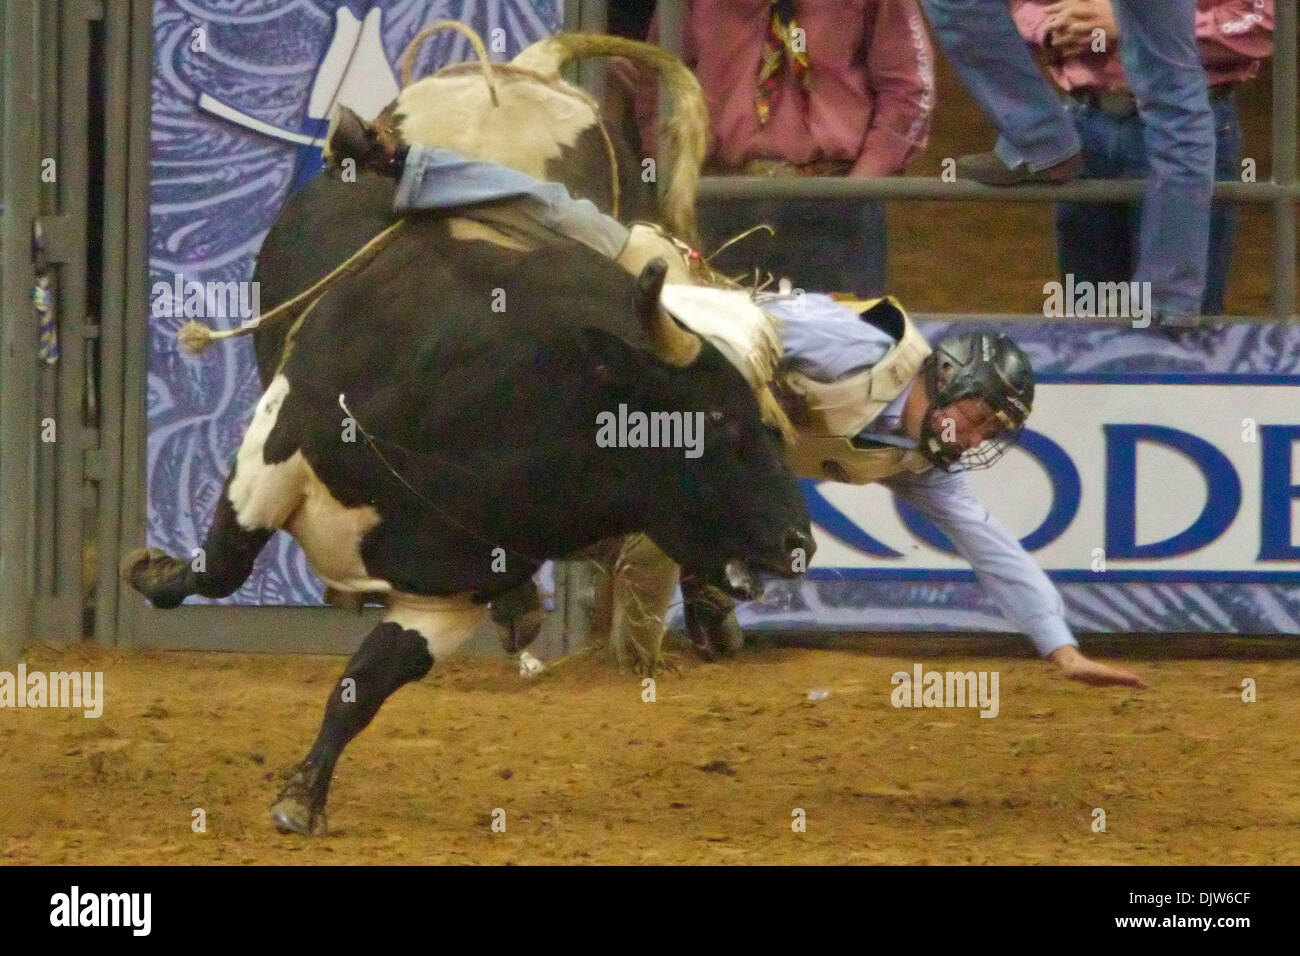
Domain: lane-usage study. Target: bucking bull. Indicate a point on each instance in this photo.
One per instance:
(416, 441)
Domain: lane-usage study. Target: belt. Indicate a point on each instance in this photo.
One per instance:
(1118, 103)
(1121, 103)
(781, 167)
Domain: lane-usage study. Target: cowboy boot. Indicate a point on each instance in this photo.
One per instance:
(371, 146)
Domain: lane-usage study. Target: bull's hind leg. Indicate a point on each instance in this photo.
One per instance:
(222, 565)
(415, 632)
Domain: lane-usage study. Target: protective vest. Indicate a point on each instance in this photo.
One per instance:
(829, 415)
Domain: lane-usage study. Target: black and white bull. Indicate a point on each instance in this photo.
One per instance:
(420, 444)
(424, 446)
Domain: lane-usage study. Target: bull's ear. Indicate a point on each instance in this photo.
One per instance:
(670, 341)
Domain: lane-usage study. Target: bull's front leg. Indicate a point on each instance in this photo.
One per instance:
(415, 631)
(223, 564)
(520, 614)
(711, 623)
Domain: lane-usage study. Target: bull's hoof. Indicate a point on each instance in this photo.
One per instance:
(704, 651)
(133, 559)
(727, 637)
(522, 631)
(164, 580)
(520, 613)
(291, 814)
(296, 809)
(711, 624)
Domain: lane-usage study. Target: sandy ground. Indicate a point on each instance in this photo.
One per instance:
(711, 772)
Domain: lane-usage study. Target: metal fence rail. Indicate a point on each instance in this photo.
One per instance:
(1283, 191)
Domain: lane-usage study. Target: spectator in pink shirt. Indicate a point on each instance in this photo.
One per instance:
(809, 88)
(1099, 243)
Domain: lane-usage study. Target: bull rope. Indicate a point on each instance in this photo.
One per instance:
(373, 442)
(484, 64)
(194, 336)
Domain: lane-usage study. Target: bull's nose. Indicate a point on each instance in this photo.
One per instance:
(799, 548)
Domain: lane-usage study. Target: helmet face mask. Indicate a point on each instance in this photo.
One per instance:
(979, 365)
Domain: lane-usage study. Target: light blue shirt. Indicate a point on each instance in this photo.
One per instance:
(825, 341)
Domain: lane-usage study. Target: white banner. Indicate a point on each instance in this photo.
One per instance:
(1165, 481)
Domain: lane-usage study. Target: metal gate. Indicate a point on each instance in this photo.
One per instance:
(74, 173)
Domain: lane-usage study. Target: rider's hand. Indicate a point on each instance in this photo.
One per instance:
(1077, 667)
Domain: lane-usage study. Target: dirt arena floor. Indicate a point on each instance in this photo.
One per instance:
(711, 772)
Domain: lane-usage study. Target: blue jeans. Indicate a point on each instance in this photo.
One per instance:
(1164, 71)
(823, 245)
(1099, 242)
(435, 178)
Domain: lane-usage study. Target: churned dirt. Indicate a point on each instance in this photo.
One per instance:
(711, 772)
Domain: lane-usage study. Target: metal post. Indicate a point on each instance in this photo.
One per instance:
(46, 484)
(567, 626)
(18, 337)
(59, 612)
(571, 23)
(135, 365)
(1285, 209)
(586, 16)
(671, 21)
(108, 536)
(595, 19)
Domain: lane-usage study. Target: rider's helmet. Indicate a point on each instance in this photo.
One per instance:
(981, 364)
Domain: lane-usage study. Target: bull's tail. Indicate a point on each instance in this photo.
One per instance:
(685, 139)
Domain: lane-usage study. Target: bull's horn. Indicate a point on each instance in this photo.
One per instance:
(670, 341)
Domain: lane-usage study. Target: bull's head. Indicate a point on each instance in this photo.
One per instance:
(726, 505)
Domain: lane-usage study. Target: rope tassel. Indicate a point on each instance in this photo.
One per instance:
(194, 336)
